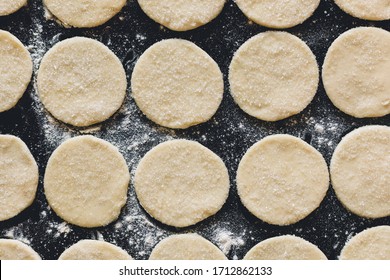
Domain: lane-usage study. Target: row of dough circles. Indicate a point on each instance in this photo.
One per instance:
(274, 75)
(370, 244)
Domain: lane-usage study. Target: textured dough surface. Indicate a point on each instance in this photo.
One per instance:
(84, 13)
(18, 177)
(86, 181)
(370, 244)
(282, 179)
(176, 84)
(356, 72)
(273, 75)
(360, 171)
(94, 250)
(81, 82)
(186, 247)
(181, 183)
(278, 13)
(15, 70)
(287, 247)
(16, 250)
(370, 10)
(182, 15)
(8, 7)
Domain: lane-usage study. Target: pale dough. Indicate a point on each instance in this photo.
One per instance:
(18, 177)
(86, 181)
(15, 70)
(278, 13)
(176, 84)
(186, 247)
(94, 250)
(8, 7)
(286, 247)
(84, 13)
(370, 10)
(360, 171)
(16, 250)
(182, 15)
(370, 244)
(273, 75)
(356, 72)
(181, 183)
(81, 82)
(282, 179)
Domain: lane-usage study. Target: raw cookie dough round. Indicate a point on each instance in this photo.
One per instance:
(181, 183)
(8, 7)
(360, 171)
(182, 15)
(370, 10)
(186, 247)
(84, 13)
(273, 75)
(16, 250)
(81, 82)
(86, 181)
(370, 244)
(356, 72)
(278, 13)
(282, 179)
(94, 250)
(287, 247)
(18, 177)
(15, 70)
(176, 84)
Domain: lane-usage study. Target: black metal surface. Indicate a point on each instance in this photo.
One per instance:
(229, 134)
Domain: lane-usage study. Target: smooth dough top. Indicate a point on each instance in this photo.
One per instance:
(278, 13)
(16, 250)
(356, 72)
(287, 247)
(370, 10)
(176, 84)
(84, 13)
(8, 7)
(86, 181)
(81, 82)
(273, 75)
(360, 171)
(282, 179)
(181, 183)
(94, 250)
(370, 244)
(186, 247)
(15, 70)
(182, 15)
(18, 177)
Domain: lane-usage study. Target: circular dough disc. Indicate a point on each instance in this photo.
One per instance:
(94, 250)
(360, 171)
(273, 75)
(285, 247)
(16, 250)
(186, 247)
(86, 181)
(85, 13)
(370, 244)
(18, 177)
(15, 70)
(181, 183)
(282, 179)
(176, 84)
(278, 13)
(356, 72)
(182, 15)
(370, 10)
(8, 7)
(81, 82)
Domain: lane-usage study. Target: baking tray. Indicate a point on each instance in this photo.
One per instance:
(229, 134)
